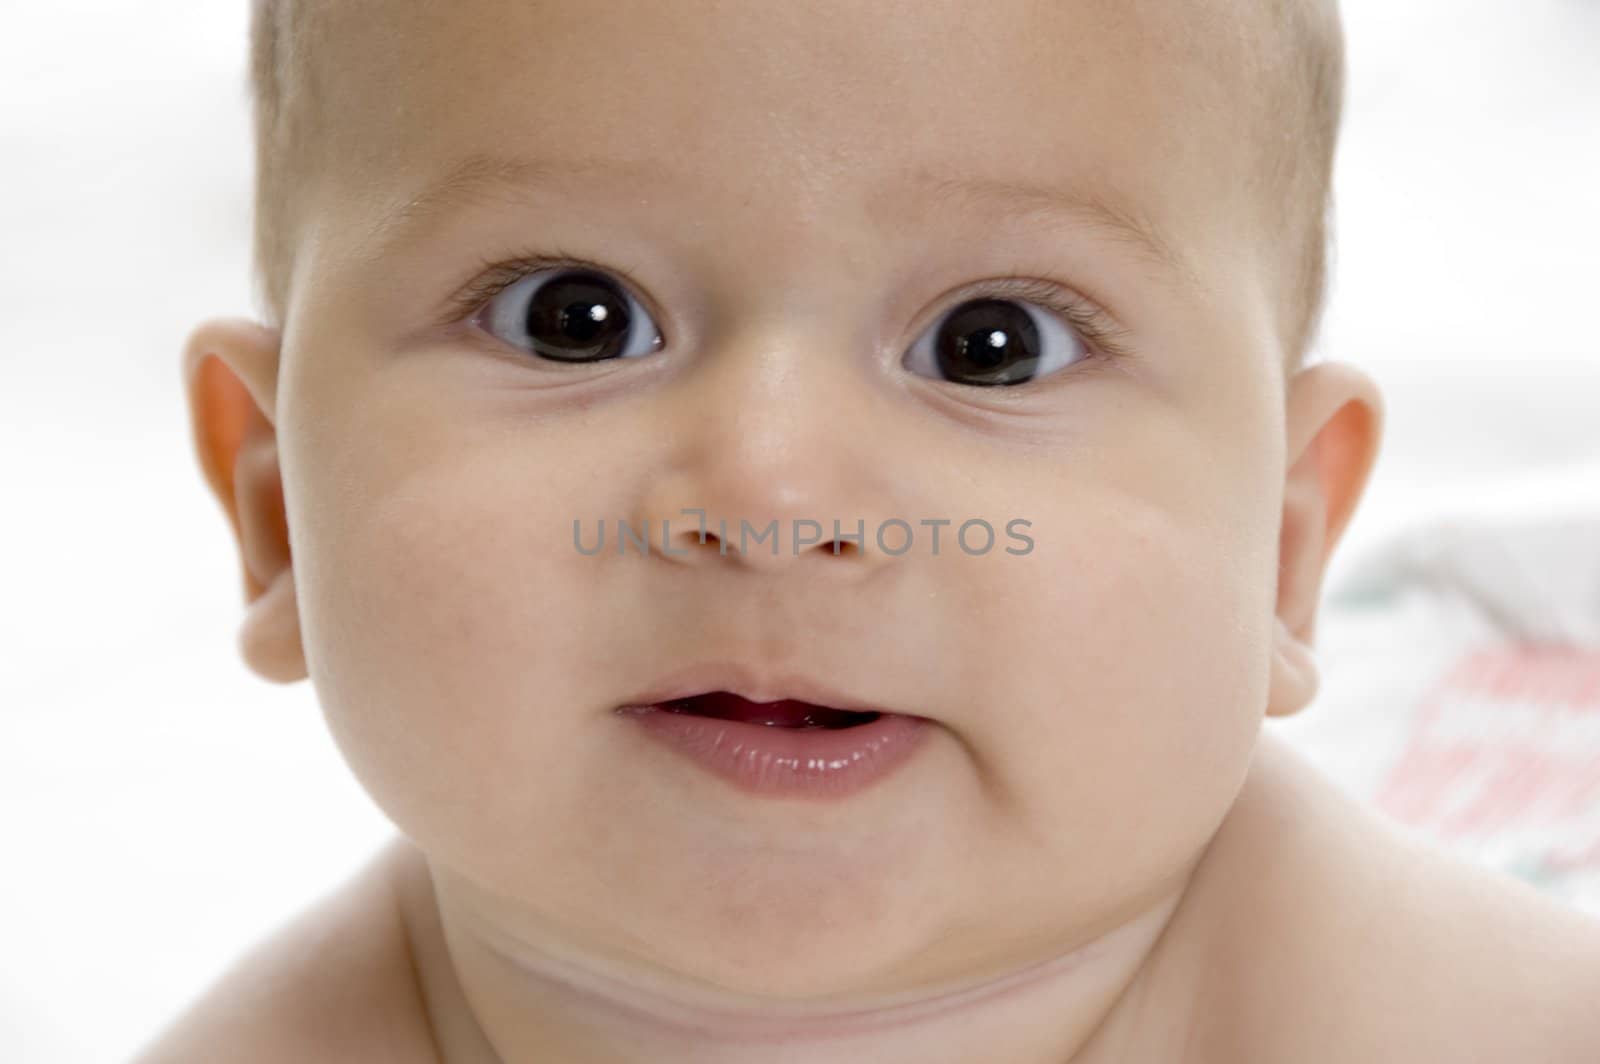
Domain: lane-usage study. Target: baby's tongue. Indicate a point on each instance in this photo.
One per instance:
(786, 713)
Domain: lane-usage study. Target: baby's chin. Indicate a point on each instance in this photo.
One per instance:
(751, 982)
(601, 842)
(713, 897)
(769, 924)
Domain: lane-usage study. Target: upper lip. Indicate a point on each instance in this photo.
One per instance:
(752, 684)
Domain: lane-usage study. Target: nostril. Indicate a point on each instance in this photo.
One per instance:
(767, 544)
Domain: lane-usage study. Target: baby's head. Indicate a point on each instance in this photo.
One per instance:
(537, 265)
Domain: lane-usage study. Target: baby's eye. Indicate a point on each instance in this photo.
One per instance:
(570, 315)
(994, 342)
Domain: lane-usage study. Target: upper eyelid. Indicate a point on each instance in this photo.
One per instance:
(495, 277)
(1100, 327)
(1084, 314)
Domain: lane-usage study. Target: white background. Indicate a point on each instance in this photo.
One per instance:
(160, 808)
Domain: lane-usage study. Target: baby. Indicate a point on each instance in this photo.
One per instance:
(877, 670)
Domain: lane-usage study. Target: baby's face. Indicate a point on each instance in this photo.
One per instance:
(755, 184)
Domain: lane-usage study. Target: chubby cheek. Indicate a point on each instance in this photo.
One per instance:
(1132, 680)
(450, 631)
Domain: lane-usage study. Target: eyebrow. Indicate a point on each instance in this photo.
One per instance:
(1074, 206)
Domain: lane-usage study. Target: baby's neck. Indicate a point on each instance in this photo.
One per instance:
(1127, 994)
(488, 1005)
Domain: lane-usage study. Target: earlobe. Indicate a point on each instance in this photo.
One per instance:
(1295, 675)
(1334, 429)
(269, 638)
(230, 375)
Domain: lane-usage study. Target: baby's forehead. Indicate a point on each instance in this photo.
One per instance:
(401, 56)
(1150, 109)
(791, 91)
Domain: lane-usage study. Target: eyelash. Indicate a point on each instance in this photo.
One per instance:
(1093, 325)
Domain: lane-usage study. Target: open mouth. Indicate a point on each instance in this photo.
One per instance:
(785, 713)
(785, 748)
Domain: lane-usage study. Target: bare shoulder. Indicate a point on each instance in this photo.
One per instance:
(334, 983)
(1366, 942)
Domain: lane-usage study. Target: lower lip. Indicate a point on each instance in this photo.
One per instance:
(814, 763)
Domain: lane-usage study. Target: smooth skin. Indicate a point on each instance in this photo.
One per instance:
(1098, 787)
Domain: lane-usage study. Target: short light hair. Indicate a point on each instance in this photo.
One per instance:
(1299, 91)
(1292, 62)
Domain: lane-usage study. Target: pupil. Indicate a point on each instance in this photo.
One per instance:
(988, 342)
(578, 317)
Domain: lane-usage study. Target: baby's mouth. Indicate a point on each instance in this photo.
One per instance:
(785, 713)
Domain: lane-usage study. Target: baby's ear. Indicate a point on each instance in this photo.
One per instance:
(230, 373)
(1334, 427)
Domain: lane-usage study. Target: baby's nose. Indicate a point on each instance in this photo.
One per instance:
(773, 455)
